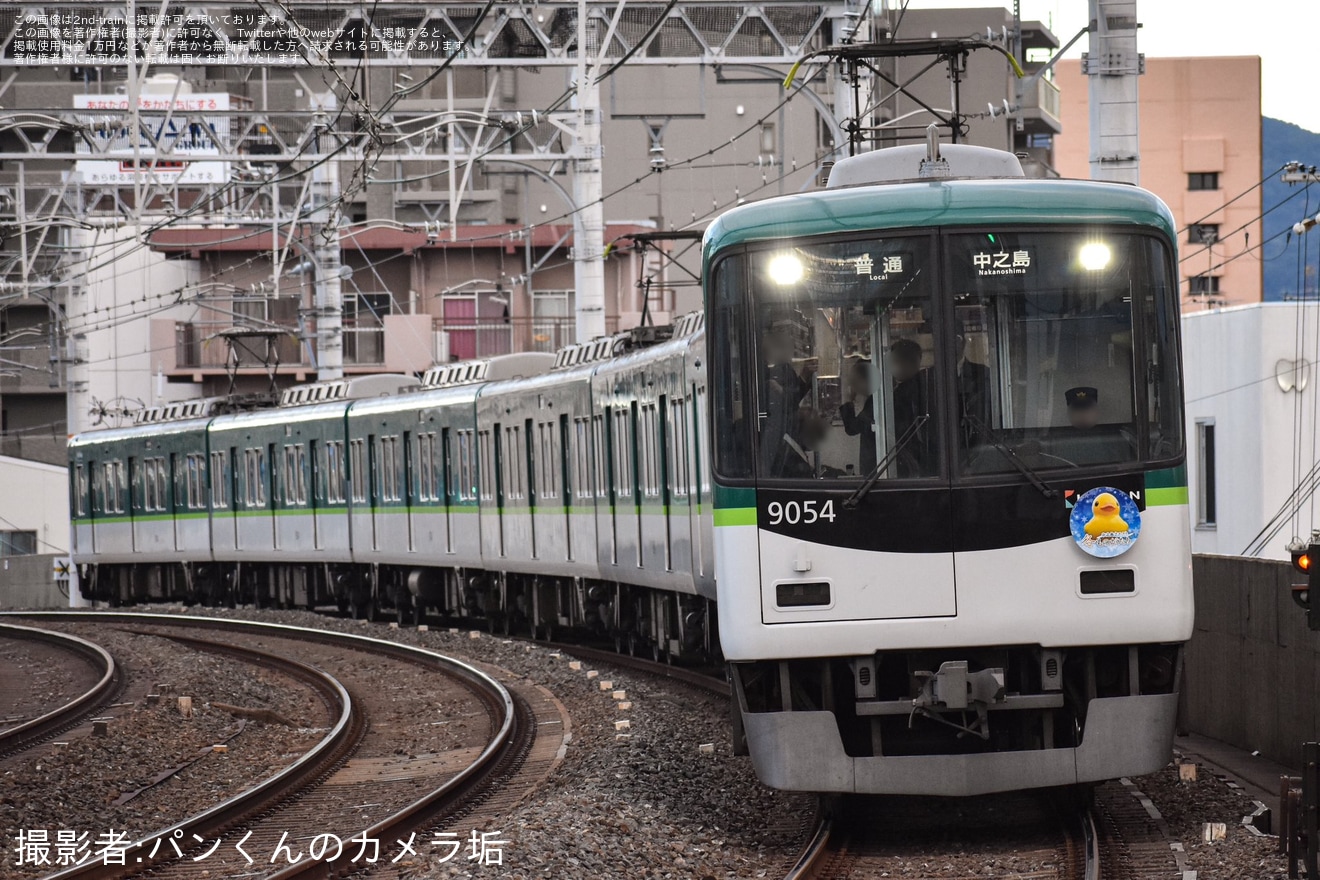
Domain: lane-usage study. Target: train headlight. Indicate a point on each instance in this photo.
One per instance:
(786, 269)
(1094, 256)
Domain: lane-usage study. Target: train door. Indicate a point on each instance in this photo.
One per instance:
(566, 486)
(136, 496)
(410, 473)
(90, 476)
(497, 469)
(271, 483)
(373, 488)
(178, 494)
(663, 472)
(607, 454)
(699, 458)
(630, 457)
(533, 497)
(319, 486)
(447, 486)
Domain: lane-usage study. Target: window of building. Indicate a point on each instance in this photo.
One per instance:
(18, 543)
(1203, 285)
(1201, 180)
(1206, 488)
(1203, 233)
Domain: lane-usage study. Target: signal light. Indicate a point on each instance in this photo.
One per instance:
(1305, 560)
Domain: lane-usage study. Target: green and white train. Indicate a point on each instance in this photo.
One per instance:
(930, 474)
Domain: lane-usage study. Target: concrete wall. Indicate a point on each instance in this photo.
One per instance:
(27, 582)
(1251, 671)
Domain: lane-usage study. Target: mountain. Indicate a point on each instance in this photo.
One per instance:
(1284, 142)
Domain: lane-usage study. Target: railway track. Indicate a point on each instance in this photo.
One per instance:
(354, 782)
(59, 719)
(1022, 836)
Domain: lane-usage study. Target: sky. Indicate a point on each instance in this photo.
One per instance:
(1281, 32)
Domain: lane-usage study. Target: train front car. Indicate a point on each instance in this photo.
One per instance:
(952, 548)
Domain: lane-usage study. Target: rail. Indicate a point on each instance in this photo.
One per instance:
(52, 723)
(511, 735)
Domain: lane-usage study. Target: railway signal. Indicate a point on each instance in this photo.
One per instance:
(1306, 559)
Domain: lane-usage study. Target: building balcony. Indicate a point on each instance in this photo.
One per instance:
(1040, 108)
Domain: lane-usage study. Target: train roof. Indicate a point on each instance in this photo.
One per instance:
(945, 202)
(147, 429)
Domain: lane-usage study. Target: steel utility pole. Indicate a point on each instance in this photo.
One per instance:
(329, 291)
(1113, 65)
(589, 219)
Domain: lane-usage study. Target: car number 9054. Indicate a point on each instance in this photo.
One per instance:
(794, 512)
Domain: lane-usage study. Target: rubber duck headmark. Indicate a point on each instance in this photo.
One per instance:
(1105, 516)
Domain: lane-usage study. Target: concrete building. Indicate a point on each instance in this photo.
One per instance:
(1252, 376)
(442, 256)
(34, 530)
(1200, 124)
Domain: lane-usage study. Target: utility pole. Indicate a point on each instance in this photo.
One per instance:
(589, 218)
(329, 311)
(1113, 65)
(76, 401)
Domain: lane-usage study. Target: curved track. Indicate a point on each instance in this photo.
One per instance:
(72, 713)
(509, 740)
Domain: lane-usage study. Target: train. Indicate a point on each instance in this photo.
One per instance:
(914, 475)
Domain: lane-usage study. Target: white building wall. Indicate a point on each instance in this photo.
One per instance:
(1265, 436)
(127, 283)
(35, 499)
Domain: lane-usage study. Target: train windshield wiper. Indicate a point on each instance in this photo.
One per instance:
(883, 464)
(1007, 451)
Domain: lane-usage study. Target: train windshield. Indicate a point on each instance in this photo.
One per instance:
(1013, 350)
(1066, 350)
(848, 362)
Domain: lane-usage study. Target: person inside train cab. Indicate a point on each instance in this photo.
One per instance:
(1083, 406)
(783, 391)
(973, 383)
(911, 402)
(858, 412)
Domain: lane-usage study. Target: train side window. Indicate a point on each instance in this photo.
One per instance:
(733, 408)
(487, 466)
(219, 493)
(582, 457)
(80, 490)
(679, 483)
(334, 471)
(300, 472)
(623, 449)
(600, 460)
(358, 471)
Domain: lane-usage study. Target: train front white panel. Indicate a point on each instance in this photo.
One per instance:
(1017, 595)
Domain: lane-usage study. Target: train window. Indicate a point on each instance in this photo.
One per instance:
(845, 387)
(701, 459)
(334, 471)
(425, 446)
(513, 464)
(486, 479)
(582, 465)
(678, 448)
(80, 490)
(623, 453)
(357, 466)
(1067, 350)
(219, 487)
(601, 459)
(119, 492)
(549, 471)
(467, 473)
(196, 490)
(733, 407)
(389, 469)
(649, 443)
